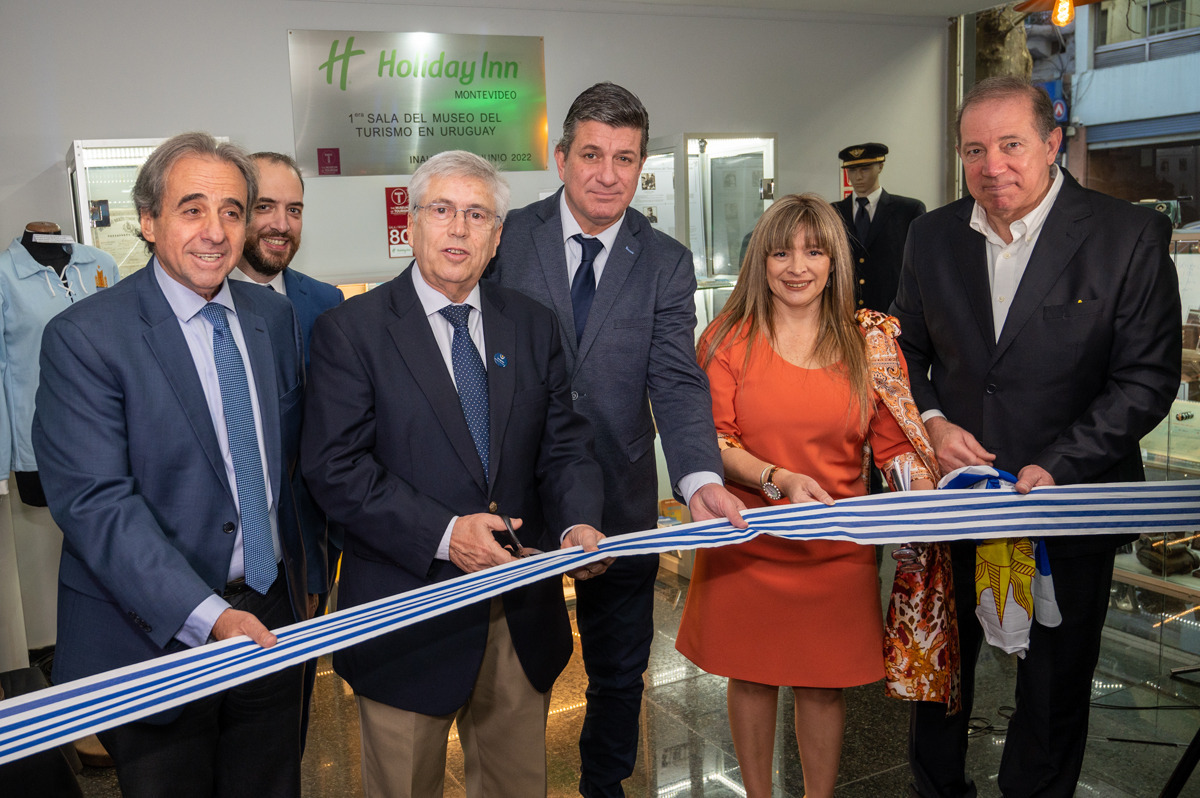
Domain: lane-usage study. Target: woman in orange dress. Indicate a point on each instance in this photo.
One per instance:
(793, 405)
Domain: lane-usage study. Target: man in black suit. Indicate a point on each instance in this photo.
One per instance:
(414, 444)
(877, 223)
(1041, 326)
(624, 295)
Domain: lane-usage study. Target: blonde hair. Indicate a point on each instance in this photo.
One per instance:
(750, 309)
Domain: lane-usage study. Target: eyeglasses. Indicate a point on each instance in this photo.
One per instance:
(476, 218)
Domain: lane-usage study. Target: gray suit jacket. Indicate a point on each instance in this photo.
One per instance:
(638, 349)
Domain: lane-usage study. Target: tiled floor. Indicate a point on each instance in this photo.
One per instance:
(1140, 721)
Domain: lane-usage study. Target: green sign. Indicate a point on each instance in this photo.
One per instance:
(369, 103)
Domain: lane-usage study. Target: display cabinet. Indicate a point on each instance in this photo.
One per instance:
(707, 191)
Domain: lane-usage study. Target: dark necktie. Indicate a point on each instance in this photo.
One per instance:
(862, 220)
(583, 286)
(258, 553)
(471, 379)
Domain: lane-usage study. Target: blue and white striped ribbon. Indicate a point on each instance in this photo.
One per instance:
(47, 718)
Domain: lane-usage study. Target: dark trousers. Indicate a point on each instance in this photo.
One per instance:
(1043, 749)
(242, 742)
(615, 615)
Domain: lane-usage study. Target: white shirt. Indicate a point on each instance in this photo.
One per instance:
(688, 483)
(1007, 262)
(198, 331)
(275, 282)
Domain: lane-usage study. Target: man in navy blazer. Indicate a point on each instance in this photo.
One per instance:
(272, 241)
(879, 253)
(627, 319)
(436, 404)
(1041, 326)
(169, 521)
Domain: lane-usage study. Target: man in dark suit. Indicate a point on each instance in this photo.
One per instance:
(272, 241)
(416, 444)
(167, 424)
(877, 223)
(624, 295)
(1041, 326)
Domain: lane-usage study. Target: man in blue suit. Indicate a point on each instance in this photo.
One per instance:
(272, 241)
(166, 428)
(624, 295)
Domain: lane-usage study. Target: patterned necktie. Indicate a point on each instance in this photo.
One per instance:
(862, 220)
(583, 286)
(471, 380)
(258, 553)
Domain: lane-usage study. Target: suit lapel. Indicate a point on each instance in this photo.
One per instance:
(1057, 243)
(262, 361)
(617, 268)
(970, 262)
(881, 213)
(500, 338)
(166, 341)
(548, 240)
(417, 348)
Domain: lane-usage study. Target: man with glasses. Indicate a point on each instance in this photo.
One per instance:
(437, 409)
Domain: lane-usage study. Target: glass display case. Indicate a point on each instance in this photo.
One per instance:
(101, 173)
(707, 190)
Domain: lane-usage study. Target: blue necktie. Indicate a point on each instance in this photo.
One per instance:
(471, 380)
(862, 220)
(583, 286)
(258, 553)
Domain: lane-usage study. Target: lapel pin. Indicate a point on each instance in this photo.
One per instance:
(500, 360)
(630, 251)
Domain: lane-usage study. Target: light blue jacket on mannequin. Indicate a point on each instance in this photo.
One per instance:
(30, 295)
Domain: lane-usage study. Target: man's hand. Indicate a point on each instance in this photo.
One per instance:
(588, 537)
(1033, 476)
(313, 600)
(472, 546)
(954, 446)
(714, 501)
(232, 623)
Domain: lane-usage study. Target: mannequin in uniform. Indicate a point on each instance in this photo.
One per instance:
(878, 226)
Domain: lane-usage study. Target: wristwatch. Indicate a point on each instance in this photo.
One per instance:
(769, 488)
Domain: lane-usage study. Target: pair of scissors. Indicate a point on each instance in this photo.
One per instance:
(507, 537)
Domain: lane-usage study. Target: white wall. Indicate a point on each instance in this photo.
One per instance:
(130, 68)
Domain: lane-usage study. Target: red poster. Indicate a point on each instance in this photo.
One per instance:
(397, 222)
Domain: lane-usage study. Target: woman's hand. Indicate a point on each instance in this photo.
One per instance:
(800, 488)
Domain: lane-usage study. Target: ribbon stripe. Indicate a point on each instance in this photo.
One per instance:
(59, 714)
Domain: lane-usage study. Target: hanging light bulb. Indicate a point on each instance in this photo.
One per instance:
(1063, 13)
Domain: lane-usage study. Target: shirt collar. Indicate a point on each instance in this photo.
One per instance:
(570, 227)
(186, 303)
(872, 198)
(275, 282)
(433, 300)
(1029, 225)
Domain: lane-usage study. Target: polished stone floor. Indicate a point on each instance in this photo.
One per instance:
(1141, 720)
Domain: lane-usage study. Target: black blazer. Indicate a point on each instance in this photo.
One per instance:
(638, 348)
(388, 455)
(1088, 360)
(877, 261)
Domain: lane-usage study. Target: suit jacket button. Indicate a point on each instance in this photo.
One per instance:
(860, 302)
(228, 528)
(862, 281)
(493, 507)
(574, 395)
(991, 389)
(862, 260)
